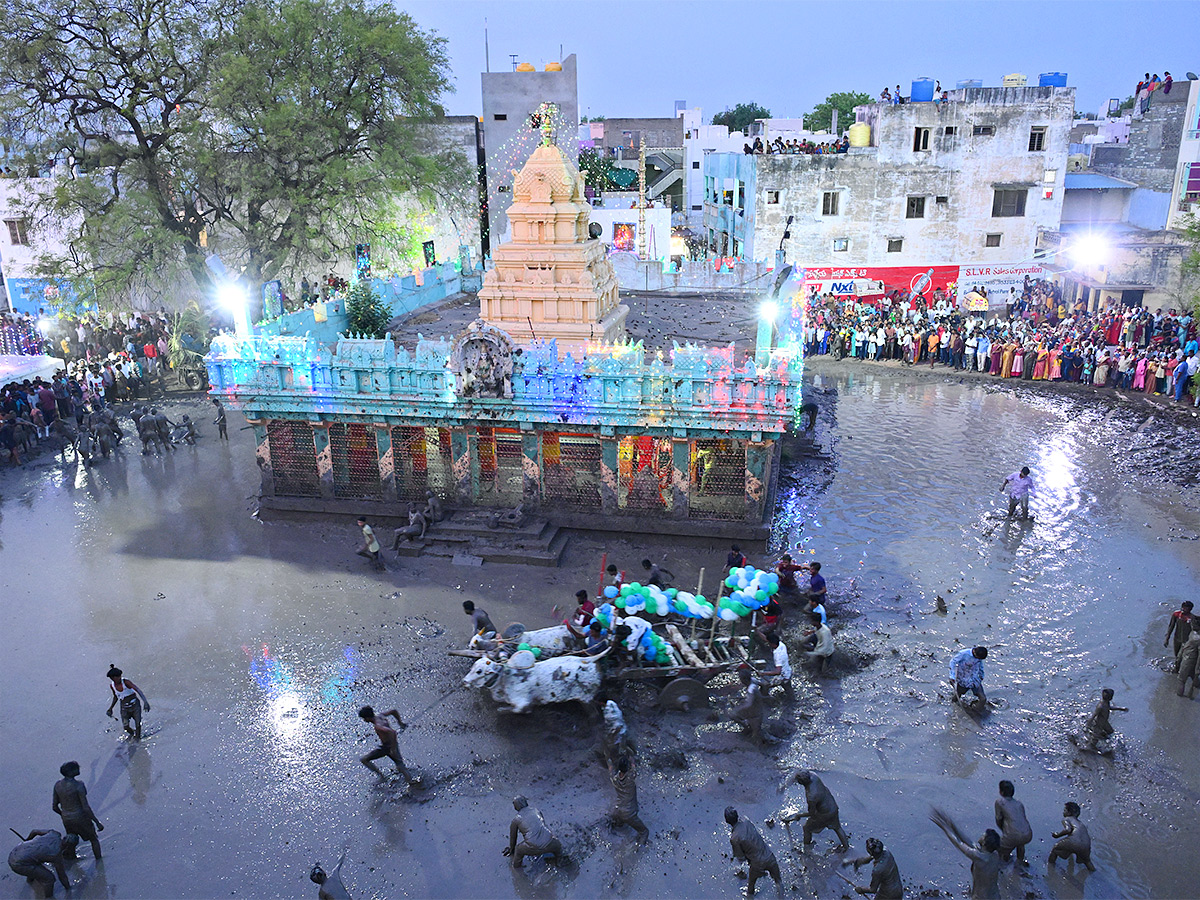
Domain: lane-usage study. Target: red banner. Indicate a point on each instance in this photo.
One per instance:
(868, 282)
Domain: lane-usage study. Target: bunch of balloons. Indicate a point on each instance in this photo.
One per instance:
(635, 597)
(536, 651)
(604, 614)
(654, 649)
(750, 589)
(694, 606)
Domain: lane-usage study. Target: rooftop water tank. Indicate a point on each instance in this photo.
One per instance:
(860, 135)
(1052, 79)
(970, 83)
(1014, 80)
(553, 67)
(526, 67)
(922, 90)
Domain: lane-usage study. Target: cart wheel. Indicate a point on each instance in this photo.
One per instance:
(683, 693)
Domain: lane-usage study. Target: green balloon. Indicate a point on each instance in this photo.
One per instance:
(760, 596)
(773, 589)
(619, 603)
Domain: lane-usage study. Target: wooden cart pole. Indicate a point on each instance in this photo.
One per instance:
(699, 586)
(603, 569)
(712, 632)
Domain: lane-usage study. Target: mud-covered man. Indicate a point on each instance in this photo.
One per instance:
(822, 812)
(71, 803)
(389, 745)
(535, 838)
(885, 875)
(39, 857)
(747, 844)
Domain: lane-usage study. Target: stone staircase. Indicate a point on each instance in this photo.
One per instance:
(468, 537)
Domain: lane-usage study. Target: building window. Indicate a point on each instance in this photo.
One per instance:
(17, 231)
(949, 131)
(500, 117)
(829, 203)
(895, 245)
(991, 240)
(1037, 138)
(920, 139)
(916, 208)
(841, 245)
(698, 206)
(1008, 204)
(942, 200)
(983, 130)
(772, 197)
(1191, 183)
(696, 165)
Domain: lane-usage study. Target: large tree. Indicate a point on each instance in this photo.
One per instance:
(821, 117)
(741, 116)
(275, 132)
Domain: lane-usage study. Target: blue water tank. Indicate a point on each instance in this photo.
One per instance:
(970, 83)
(1052, 79)
(922, 90)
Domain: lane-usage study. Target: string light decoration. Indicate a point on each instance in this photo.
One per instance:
(546, 120)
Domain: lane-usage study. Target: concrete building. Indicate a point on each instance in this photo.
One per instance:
(665, 170)
(510, 132)
(22, 242)
(970, 180)
(1162, 151)
(1130, 205)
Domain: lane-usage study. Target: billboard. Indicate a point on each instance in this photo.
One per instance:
(995, 281)
(880, 280)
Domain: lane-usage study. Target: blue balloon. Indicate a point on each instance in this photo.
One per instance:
(610, 592)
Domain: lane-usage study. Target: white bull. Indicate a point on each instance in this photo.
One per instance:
(521, 683)
(553, 641)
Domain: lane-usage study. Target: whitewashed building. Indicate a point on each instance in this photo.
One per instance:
(969, 180)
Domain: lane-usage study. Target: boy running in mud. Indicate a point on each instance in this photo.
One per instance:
(389, 746)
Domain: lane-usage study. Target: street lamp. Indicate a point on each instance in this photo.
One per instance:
(766, 328)
(233, 297)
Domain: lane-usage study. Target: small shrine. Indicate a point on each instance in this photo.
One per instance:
(552, 281)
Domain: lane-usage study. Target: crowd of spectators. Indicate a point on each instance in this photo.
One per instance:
(1036, 337)
(779, 145)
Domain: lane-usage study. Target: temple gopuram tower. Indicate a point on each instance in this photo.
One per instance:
(552, 281)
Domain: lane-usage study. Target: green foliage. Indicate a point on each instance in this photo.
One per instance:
(597, 170)
(583, 120)
(1190, 280)
(272, 132)
(1127, 103)
(741, 116)
(368, 314)
(193, 321)
(844, 102)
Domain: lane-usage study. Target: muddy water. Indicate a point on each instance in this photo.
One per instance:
(256, 642)
(1072, 603)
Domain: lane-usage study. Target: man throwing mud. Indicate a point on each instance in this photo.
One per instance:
(389, 746)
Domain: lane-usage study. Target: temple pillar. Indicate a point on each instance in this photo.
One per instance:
(387, 462)
(681, 477)
(462, 472)
(758, 455)
(324, 452)
(262, 456)
(609, 469)
(531, 468)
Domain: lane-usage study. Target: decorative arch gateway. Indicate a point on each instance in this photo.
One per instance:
(481, 360)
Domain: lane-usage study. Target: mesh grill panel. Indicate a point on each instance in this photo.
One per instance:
(571, 470)
(718, 479)
(293, 459)
(355, 462)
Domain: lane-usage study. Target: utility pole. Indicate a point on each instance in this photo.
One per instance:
(641, 235)
(487, 59)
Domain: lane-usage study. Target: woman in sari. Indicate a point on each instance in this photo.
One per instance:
(1139, 373)
(1056, 372)
(1006, 363)
(1018, 363)
(997, 353)
(1101, 374)
(1039, 367)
